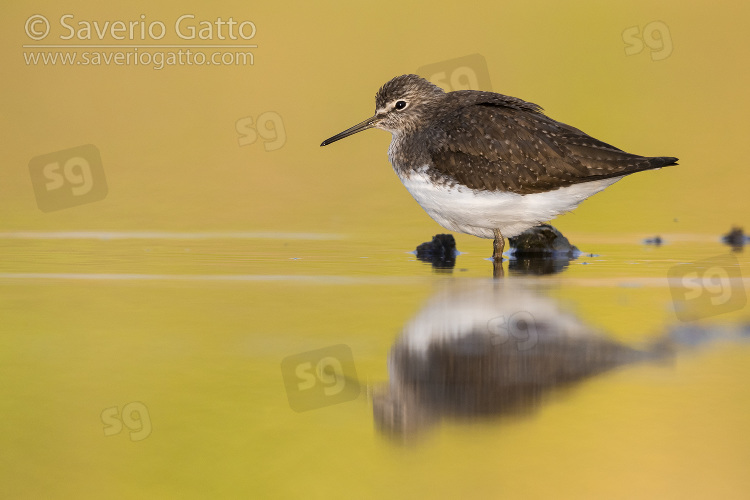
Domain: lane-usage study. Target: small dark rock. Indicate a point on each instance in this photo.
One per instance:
(735, 238)
(656, 241)
(542, 241)
(540, 250)
(440, 252)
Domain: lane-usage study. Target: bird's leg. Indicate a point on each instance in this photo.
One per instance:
(497, 254)
(498, 246)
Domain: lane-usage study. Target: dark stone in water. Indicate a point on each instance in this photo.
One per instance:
(440, 252)
(542, 241)
(656, 241)
(541, 250)
(735, 238)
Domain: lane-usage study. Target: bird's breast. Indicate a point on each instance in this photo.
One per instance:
(407, 156)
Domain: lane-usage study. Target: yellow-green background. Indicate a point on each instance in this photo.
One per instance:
(205, 357)
(169, 144)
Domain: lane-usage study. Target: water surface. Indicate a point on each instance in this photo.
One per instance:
(178, 365)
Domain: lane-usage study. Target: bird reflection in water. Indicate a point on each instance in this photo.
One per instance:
(488, 349)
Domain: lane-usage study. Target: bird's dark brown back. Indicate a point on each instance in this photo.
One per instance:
(488, 141)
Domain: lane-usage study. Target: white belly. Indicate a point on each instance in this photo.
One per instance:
(481, 212)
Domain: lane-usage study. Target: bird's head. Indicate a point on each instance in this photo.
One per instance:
(401, 105)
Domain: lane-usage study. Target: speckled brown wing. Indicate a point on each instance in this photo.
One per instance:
(500, 143)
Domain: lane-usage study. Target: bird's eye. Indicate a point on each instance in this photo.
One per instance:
(400, 104)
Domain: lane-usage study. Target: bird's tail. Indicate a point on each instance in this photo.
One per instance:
(663, 161)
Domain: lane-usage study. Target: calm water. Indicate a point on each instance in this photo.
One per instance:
(329, 366)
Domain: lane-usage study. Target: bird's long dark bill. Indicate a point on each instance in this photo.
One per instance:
(369, 123)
